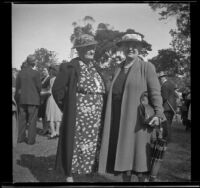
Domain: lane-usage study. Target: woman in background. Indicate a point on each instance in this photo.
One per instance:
(53, 113)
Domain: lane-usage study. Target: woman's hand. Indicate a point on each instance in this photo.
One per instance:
(155, 121)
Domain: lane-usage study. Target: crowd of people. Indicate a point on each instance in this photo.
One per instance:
(99, 125)
(33, 99)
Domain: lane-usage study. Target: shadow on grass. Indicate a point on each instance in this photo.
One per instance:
(42, 168)
(175, 178)
(39, 132)
(176, 165)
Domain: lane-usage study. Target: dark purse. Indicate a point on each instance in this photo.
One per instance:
(146, 110)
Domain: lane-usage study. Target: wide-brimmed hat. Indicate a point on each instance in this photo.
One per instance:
(133, 38)
(162, 74)
(84, 40)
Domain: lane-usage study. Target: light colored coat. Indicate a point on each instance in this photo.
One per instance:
(134, 137)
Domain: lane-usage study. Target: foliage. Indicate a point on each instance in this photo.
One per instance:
(180, 10)
(45, 58)
(168, 61)
(181, 37)
(64, 61)
(106, 39)
(80, 28)
(106, 36)
(172, 63)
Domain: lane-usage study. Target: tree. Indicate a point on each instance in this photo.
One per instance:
(171, 62)
(85, 26)
(45, 58)
(168, 61)
(106, 36)
(180, 10)
(64, 61)
(181, 37)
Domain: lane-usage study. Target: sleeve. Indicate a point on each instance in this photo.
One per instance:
(17, 83)
(60, 86)
(154, 90)
(17, 91)
(38, 82)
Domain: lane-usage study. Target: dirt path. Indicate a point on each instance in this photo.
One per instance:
(34, 163)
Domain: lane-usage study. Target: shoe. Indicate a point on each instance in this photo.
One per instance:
(142, 178)
(69, 179)
(44, 132)
(30, 143)
(134, 178)
(126, 178)
(23, 140)
(153, 179)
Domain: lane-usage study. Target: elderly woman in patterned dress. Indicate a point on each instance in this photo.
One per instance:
(78, 90)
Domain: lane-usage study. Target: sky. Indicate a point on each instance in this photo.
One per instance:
(50, 26)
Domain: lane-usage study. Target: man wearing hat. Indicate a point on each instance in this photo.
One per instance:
(169, 100)
(28, 87)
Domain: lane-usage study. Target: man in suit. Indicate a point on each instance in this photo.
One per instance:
(28, 87)
(169, 100)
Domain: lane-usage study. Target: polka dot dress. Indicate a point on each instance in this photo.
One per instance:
(88, 120)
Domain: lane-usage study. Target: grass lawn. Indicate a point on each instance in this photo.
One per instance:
(35, 163)
(176, 166)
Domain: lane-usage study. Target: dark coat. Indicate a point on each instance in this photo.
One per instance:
(28, 87)
(64, 93)
(134, 137)
(168, 94)
(45, 86)
(44, 98)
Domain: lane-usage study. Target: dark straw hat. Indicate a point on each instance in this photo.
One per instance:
(84, 40)
(127, 38)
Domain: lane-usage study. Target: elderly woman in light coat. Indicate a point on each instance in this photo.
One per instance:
(125, 145)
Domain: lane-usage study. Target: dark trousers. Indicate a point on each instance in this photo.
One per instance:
(169, 116)
(42, 113)
(27, 114)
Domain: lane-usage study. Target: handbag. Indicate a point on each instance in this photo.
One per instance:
(146, 110)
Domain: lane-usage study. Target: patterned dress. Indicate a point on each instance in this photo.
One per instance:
(88, 120)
